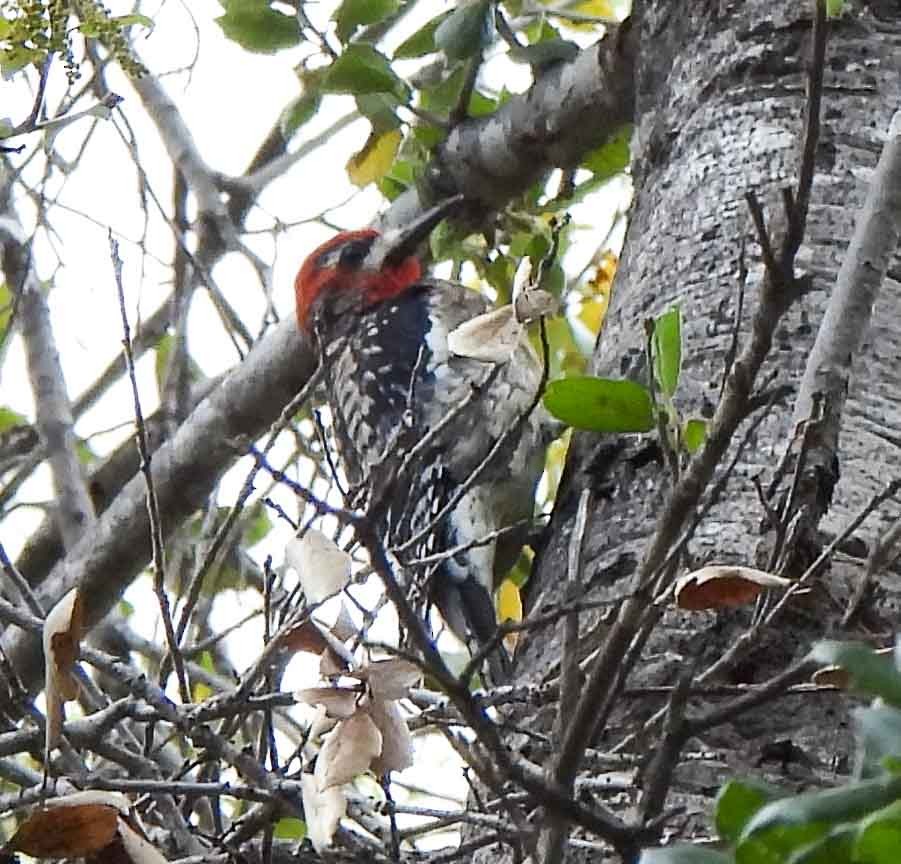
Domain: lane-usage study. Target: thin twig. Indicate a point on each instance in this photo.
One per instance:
(554, 835)
(153, 509)
(750, 635)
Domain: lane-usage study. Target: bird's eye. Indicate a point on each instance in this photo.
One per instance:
(353, 253)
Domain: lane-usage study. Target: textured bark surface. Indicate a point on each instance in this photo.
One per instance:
(721, 98)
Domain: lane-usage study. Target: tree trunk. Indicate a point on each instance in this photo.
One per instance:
(721, 114)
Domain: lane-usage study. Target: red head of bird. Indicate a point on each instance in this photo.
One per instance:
(365, 266)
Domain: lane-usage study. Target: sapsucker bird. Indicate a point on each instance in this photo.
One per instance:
(396, 389)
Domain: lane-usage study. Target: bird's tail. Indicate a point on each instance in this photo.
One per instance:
(468, 610)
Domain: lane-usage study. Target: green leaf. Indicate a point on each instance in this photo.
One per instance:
(566, 357)
(163, 351)
(545, 53)
(290, 828)
(428, 137)
(207, 662)
(468, 30)
(829, 806)
(500, 273)
(611, 158)
(444, 96)
(422, 42)
(737, 802)
(17, 58)
(668, 350)
(300, 111)
(869, 672)
(257, 526)
(256, 26)
(694, 433)
(400, 176)
(879, 738)
(481, 105)
(684, 854)
(776, 844)
(835, 848)
(879, 836)
(352, 14)
(381, 111)
(10, 418)
(834, 8)
(131, 20)
(84, 452)
(600, 404)
(362, 69)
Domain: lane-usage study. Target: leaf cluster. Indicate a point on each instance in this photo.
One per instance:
(32, 31)
(856, 823)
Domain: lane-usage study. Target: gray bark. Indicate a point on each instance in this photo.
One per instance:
(721, 97)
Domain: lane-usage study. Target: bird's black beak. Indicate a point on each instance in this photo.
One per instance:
(397, 244)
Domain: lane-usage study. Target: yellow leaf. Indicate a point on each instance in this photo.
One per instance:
(201, 691)
(374, 160)
(597, 292)
(509, 603)
(554, 462)
(598, 8)
(603, 10)
(509, 608)
(591, 314)
(603, 277)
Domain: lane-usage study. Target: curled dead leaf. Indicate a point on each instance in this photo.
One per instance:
(390, 679)
(342, 654)
(322, 811)
(305, 636)
(71, 826)
(491, 337)
(339, 702)
(533, 304)
(348, 750)
(344, 627)
(93, 824)
(724, 586)
(62, 637)
(832, 676)
(397, 742)
(838, 676)
(323, 568)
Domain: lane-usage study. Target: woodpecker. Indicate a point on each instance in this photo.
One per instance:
(413, 421)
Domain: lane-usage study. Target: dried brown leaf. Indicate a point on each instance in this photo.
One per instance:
(390, 679)
(338, 702)
(305, 636)
(535, 303)
(322, 811)
(397, 743)
(66, 831)
(348, 750)
(323, 568)
(490, 337)
(724, 586)
(62, 633)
